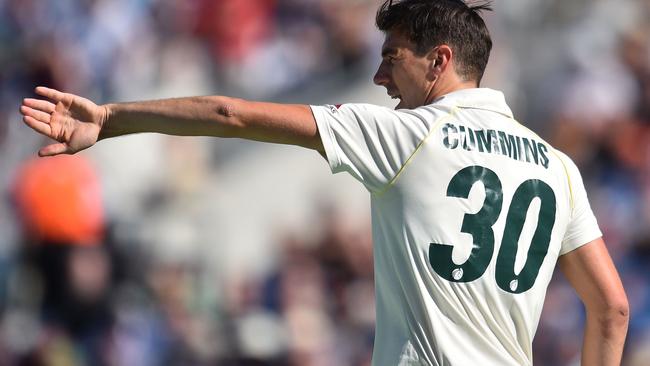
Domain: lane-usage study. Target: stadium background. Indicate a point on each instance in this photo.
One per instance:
(234, 253)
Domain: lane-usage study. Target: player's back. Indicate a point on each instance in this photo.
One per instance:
(484, 204)
(470, 212)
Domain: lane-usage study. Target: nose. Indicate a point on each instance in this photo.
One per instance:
(381, 76)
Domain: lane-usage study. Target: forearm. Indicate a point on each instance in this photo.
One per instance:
(215, 116)
(192, 116)
(592, 273)
(604, 338)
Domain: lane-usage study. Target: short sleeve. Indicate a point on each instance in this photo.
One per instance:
(583, 227)
(370, 142)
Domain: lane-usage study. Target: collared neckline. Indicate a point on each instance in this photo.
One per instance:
(477, 98)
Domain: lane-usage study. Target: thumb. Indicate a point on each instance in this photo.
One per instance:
(54, 149)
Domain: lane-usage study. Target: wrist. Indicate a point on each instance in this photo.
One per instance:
(106, 111)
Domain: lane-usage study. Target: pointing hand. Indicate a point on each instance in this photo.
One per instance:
(73, 121)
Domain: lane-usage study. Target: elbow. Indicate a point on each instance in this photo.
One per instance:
(227, 118)
(619, 314)
(614, 317)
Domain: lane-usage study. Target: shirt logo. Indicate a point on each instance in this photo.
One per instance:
(335, 108)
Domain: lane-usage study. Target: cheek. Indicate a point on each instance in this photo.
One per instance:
(408, 79)
(418, 77)
(402, 75)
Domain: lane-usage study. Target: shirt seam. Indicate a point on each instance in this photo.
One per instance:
(568, 178)
(435, 126)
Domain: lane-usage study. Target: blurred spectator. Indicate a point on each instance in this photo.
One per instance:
(64, 268)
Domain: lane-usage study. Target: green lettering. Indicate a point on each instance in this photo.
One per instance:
(484, 141)
(542, 152)
(494, 141)
(509, 145)
(530, 148)
(469, 142)
(450, 142)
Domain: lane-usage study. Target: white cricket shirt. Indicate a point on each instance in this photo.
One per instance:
(470, 211)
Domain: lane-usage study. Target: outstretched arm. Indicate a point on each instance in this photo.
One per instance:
(78, 123)
(591, 272)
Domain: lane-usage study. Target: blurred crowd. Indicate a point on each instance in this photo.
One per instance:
(165, 251)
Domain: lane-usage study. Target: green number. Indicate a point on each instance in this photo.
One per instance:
(505, 269)
(479, 225)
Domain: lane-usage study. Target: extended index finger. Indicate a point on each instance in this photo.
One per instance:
(49, 93)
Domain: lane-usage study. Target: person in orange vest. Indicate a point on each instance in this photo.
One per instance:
(59, 206)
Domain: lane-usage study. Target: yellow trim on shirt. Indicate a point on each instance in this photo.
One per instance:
(436, 124)
(568, 178)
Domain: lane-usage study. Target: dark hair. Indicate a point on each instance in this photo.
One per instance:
(429, 23)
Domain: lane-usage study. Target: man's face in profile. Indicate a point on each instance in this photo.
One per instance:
(403, 73)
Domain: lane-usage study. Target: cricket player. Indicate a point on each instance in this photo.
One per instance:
(471, 211)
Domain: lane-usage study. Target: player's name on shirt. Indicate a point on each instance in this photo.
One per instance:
(457, 136)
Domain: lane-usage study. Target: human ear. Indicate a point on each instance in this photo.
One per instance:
(440, 57)
(444, 56)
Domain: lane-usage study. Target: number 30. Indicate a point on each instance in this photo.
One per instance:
(479, 225)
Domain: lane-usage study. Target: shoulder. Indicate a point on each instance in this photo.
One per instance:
(572, 169)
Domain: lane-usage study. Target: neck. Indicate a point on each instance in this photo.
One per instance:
(447, 84)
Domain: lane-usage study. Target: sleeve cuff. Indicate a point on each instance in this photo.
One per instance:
(573, 243)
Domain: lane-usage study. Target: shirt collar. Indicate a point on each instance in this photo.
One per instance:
(477, 98)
